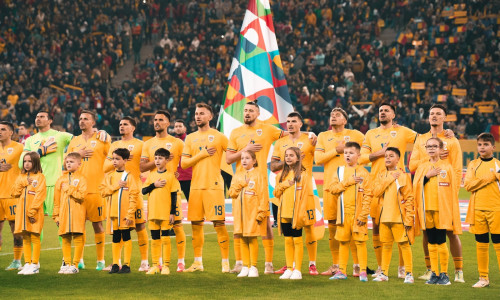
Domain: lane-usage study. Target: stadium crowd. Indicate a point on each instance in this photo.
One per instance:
(194, 42)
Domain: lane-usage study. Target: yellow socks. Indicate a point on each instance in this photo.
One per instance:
(127, 252)
(142, 241)
(223, 239)
(444, 256)
(344, 256)
(166, 250)
(254, 250)
(407, 256)
(18, 252)
(268, 250)
(66, 249)
(27, 247)
(37, 245)
(401, 260)
(386, 257)
(377, 247)
(482, 258)
(116, 248)
(156, 252)
(289, 252)
(198, 240)
(237, 248)
(298, 252)
(311, 243)
(245, 251)
(334, 244)
(434, 257)
(354, 252)
(362, 254)
(99, 245)
(79, 244)
(458, 262)
(180, 239)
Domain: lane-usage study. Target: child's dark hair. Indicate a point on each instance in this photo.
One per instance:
(395, 150)
(162, 152)
(486, 137)
(122, 152)
(253, 156)
(297, 168)
(353, 145)
(35, 161)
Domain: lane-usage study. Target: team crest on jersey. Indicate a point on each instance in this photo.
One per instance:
(211, 138)
(75, 182)
(93, 144)
(130, 148)
(393, 134)
(259, 132)
(34, 183)
(300, 144)
(168, 146)
(10, 150)
(251, 184)
(443, 173)
(347, 138)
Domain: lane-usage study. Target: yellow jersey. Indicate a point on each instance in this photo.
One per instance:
(482, 179)
(172, 144)
(10, 154)
(159, 200)
(303, 143)
(206, 168)
(91, 167)
(123, 200)
(135, 147)
(375, 139)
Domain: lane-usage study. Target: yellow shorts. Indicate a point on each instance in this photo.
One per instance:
(116, 226)
(140, 217)
(329, 206)
(206, 205)
(8, 209)
(392, 232)
(94, 206)
(432, 219)
(485, 221)
(159, 225)
(345, 231)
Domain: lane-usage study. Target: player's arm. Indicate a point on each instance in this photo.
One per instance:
(261, 188)
(40, 194)
(173, 202)
(188, 160)
(17, 190)
(146, 165)
(133, 198)
(409, 204)
(276, 163)
(337, 187)
(473, 183)
(78, 192)
(380, 184)
(416, 158)
(280, 187)
(107, 189)
(367, 199)
(366, 152)
(57, 201)
(456, 158)
(237, 184)
(108, 161)
(322, 155)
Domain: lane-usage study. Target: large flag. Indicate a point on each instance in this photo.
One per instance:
(256, 72)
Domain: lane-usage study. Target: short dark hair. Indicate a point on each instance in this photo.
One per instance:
(49, 116)
(486, 137)
(388, 104)
(295, 114)
(122, 152)
(162, 152)
(353, 145)
(204, 105)
(395, 150)
(131, 120)
(180, 121)
(440, 106)
(163, 112)
(92, 113)
(254, 103)
(8, 124)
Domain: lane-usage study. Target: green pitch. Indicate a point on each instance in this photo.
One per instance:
(91, 284)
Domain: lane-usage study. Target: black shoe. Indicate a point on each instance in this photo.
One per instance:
(124, 270)
(114, 269)
(434, 279)
(443, 279)
(370, 271)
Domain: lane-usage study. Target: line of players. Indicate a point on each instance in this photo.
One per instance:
(207, 199)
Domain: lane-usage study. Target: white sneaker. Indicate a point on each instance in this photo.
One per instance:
(144, 267)
(63, 269)
(24, 268)
(72, 270)
(377, 272)
(287, 274)
(244, 272)
(401, 272)
(296, 275)
(33, 269)
(409, 278)
(268, 268)
(253, 272)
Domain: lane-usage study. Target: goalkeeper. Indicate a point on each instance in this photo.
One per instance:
(50, 144)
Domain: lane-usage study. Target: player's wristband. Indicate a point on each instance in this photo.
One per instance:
(148, 189)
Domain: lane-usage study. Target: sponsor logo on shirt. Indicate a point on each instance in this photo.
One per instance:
(444, 184)
(31, 193)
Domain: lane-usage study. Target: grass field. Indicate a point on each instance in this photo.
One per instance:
(91, 284)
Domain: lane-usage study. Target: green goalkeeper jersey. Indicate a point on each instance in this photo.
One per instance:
(52, 162)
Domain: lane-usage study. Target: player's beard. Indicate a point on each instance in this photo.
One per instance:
(201, 124)
(385, 122)
(248, 121)
(160, 130)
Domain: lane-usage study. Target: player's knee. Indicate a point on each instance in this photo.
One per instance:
(495, 238)
(117, 236)
(18, 240)
(155, 234)
(237, 236)
(483, 238)
(178, 223)
(140, 227)
(126, 235)
(219, 223)
(166, 232)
